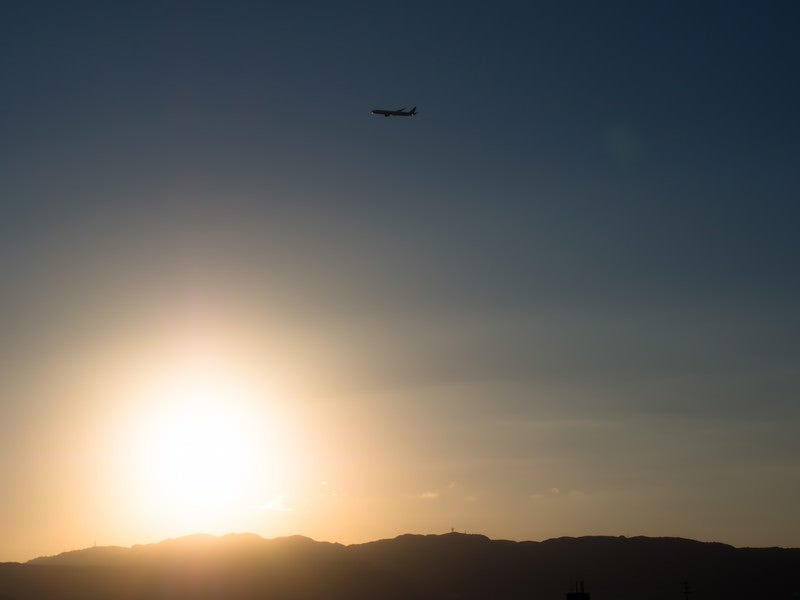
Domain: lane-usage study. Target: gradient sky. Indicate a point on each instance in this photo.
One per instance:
(561, 300)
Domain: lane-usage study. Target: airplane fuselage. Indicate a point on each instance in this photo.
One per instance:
(395, 113)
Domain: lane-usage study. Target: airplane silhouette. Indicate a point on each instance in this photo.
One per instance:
(395, 113)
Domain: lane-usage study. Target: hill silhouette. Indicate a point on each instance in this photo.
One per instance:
(452, 566)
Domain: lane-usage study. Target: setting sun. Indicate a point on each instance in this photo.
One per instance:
(205, 450)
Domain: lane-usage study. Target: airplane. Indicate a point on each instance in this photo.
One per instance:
(395, 113)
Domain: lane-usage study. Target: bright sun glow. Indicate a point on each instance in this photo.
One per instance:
(208, 452)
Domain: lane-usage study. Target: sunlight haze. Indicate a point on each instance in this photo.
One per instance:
(560, 300)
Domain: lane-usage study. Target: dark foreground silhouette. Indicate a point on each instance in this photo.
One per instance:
(410, 567)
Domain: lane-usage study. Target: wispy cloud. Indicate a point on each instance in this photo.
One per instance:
(430, 495)
(277, 504)
(553, 491)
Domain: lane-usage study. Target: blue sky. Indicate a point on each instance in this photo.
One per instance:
(573, 270)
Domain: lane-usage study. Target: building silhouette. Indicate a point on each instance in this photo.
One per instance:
(579, 593)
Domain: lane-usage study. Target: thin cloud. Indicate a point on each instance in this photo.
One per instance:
(276, 504)
(553, 491)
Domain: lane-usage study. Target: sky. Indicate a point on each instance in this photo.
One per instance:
(560, 300)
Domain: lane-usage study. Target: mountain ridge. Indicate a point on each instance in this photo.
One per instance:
(62, 557)
(450, 566)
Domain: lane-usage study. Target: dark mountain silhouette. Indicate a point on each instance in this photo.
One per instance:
(410, 567)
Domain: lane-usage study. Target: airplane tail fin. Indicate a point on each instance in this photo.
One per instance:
(414, 110)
